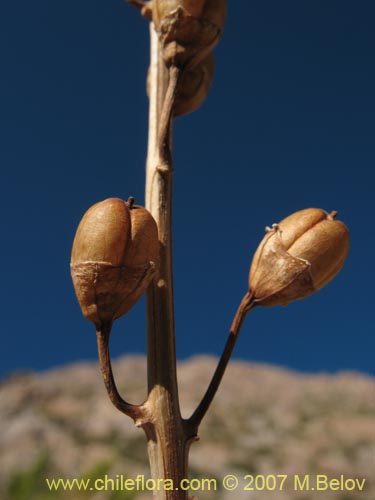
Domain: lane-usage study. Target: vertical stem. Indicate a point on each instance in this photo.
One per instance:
(167, 443)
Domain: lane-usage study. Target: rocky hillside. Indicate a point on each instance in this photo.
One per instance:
(264, 421)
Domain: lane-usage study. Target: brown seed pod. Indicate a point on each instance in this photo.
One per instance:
(297, 257)
(188, 29)
(193, 88)
(114, 255)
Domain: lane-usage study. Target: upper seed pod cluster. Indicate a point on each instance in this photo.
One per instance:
(188, 29)
(298, 256)
(193, 87)
(113, 260)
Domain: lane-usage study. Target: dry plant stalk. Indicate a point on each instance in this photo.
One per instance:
(120, 249)
(168, 439)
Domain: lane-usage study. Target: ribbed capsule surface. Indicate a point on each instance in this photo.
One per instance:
(114, 256)
(103, 234)
(298, 256)
(188, 29)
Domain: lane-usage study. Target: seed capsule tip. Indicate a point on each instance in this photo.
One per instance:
(333, 215)
(131, 201)
(274, 227)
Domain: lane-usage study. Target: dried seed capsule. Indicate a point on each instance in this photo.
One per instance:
(297, 257)
(194, 87)
(188, 29)
(113, 260)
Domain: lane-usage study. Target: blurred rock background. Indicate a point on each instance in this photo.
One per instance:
(264, 420)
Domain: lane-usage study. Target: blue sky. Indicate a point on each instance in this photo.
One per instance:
(289, 124)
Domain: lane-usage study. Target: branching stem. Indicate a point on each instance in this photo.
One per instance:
(169, 436)
(103, 334)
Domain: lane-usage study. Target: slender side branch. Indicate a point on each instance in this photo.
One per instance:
(165, 153)
(138, 4)
(245, 306)
(103, 334)
(144, 7)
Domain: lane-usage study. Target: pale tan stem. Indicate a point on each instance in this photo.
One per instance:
(167, 442)
(103, 333)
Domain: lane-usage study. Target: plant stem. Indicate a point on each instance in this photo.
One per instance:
(103, 333)
(167, 441)
(169, 436)
(143, 6)
(164, 137)
(245, 306)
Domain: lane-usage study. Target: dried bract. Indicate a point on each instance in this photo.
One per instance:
(113, 260)
(297, 257)
(188, 29)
